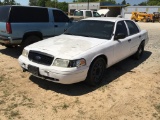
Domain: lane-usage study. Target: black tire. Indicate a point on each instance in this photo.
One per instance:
(96, 72)
(10, 46)
(30, 40)
(140, 51)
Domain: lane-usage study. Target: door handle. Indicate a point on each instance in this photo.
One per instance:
(140, 36)
(55, 25)
(129, 40)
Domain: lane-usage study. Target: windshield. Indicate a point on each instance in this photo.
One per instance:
(78, 13)
(92, 28)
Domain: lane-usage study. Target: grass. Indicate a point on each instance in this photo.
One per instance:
(19, 99)
(2, 102)
(77, 100)
(2, 78)
(157, 115)
(157, 107)
(6, 93)
(14, 114)
(65, 106)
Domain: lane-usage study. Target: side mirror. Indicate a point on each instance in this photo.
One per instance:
(119, 36)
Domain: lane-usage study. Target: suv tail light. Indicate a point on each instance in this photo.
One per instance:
(8, 28)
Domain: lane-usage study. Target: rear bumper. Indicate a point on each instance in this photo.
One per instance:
(9, 41)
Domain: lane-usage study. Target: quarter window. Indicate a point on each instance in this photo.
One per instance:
(4, 12)
(133, 29)
(59, 16)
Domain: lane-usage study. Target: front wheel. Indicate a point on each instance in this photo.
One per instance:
(30, 40)
(96, 72)
(140, 51)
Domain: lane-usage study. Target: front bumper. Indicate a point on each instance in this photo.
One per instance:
(56, 74)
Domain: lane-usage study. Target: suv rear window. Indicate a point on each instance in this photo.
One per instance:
(28, 14)
(4, 12)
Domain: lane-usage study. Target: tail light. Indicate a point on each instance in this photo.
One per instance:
(8, 28)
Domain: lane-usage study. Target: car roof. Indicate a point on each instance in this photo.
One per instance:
(26, 6)
(111, 19)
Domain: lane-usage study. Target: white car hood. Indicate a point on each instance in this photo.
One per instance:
(66, 46)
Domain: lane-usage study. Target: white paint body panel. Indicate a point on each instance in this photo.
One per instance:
(76, 47)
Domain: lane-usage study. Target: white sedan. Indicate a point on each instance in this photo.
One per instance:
(84, 51)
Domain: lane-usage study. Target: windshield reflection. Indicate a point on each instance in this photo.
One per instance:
(92, 28)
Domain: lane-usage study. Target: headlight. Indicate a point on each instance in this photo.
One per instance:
(77, 63)
(69, 63)
(25, 53)
(61, 62)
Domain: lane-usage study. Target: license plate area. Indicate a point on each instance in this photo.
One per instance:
(34, 70)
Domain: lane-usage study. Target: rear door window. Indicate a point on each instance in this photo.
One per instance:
(88, 14)
(133, 29)
(28, 14)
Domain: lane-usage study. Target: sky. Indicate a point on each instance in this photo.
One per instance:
(132, 2)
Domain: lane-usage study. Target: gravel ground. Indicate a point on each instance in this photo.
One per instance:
(130, 91)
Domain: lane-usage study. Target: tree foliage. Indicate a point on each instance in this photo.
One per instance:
(9, 2)
(123, 2)
(33, 2)
(143, 4)
(50, 3)
(153, 2)
(111, 1)
(150, 3)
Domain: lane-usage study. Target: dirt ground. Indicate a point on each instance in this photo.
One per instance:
(130, 91)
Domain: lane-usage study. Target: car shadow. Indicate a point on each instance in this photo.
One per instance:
(81, 88)
(13, 52)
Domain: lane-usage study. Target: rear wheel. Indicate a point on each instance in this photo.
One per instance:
(96, 72)
(30, 40)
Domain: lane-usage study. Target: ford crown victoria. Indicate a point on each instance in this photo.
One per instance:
(84, 51)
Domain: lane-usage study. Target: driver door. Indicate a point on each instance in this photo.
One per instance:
(121, 46)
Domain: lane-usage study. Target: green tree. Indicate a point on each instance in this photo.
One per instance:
(142, 4)
(33, 2)
(111, 1)
(53, 3)
(41, 3)
(50, 4)
(123, 2)
(9, 2)
(1, 3)
(153, 2)
(63, 6)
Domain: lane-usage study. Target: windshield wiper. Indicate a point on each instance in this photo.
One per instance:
(68, 34)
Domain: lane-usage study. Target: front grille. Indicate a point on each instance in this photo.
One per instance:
(40, 58)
